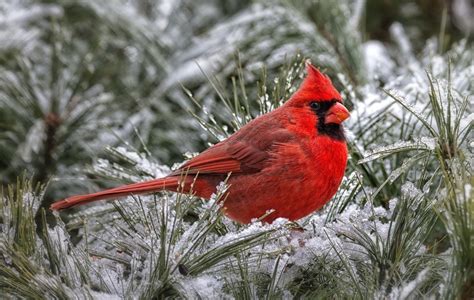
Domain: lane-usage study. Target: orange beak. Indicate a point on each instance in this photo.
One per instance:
(336, 114)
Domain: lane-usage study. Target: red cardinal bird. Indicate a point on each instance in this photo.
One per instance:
(290, 160)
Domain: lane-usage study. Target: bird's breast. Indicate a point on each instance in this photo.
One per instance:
(297, 180)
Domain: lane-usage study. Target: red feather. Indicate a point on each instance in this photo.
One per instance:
(278, 161)
(167, 183)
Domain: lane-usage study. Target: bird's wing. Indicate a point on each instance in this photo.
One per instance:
(214, 160)
(236, 155)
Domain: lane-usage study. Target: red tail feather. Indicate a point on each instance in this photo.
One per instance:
(167, 183)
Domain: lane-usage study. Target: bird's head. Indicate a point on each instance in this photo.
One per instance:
(317, 96)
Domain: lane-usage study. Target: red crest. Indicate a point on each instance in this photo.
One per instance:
(316, 86)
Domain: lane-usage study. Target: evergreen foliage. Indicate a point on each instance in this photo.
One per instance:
(99, 93)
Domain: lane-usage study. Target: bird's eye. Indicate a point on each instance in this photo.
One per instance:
(314, 105)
